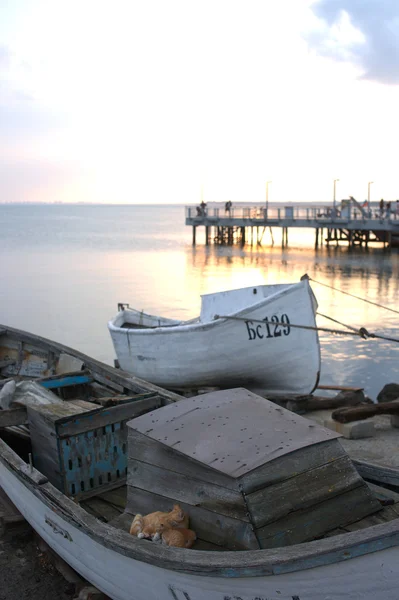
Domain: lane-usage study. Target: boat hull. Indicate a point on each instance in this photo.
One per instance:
(240, 350)
(362, 564)
(372, 576)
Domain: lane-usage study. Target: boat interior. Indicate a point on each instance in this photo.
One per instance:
(228, 302)
(89, 421)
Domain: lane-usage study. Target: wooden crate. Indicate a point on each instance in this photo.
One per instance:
(82, 448)
(250, 474)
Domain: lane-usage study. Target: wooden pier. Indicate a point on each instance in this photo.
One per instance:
(349, 223)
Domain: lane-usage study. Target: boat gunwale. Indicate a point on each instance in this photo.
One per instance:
(118, 376)
(249, 563)
(190, 326)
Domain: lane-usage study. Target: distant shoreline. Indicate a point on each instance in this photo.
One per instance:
(214, 203)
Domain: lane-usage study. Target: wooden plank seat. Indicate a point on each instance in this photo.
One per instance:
(65, 380)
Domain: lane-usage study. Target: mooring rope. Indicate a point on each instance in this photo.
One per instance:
(362, 332)
(352, 295)
(335, 321)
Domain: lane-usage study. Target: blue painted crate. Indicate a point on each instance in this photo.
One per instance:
(94, 459)
(81, 448)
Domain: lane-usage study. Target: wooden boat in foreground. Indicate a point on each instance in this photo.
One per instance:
(242, 337)
(88, 528)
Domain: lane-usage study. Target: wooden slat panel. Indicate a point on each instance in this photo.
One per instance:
(292, 464)
(142, 448)
(305, 490)
(181, 488)
(233, 424)
(44, 447)
(310, 523)
(209, 526)
(107, 416)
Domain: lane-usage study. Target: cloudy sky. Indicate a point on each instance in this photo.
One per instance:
(162, 101)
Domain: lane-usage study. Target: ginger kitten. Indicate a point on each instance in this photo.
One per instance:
(179, 538)
(152, 525)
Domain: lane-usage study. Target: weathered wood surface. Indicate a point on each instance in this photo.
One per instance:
(322, 403)
(383, 493)
(226, 430)
(385, 515)
(365, 411)
(191, 491)
(378, 473)
(108, 382)
(99, 417)
(125, 382)
(217, 529)
(310, 523)
(101, 509)
(98, 390)
(117, 497)
(44, 444)
(65, 379)
(291, 464)
(317, 485)
(58, 411)
(150, 451)
(13, 416)
(340, 388)
(108, 401)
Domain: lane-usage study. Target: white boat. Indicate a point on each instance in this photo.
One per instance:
(246, 337)
(358, 564)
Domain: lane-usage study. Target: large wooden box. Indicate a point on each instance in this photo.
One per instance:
(81, 447)
(249, 473)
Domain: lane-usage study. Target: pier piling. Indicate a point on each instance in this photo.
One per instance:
(352, 224)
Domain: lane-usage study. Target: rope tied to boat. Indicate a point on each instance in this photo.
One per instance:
(361, 332)
(349, 294)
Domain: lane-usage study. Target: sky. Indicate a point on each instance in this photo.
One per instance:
(172, 101)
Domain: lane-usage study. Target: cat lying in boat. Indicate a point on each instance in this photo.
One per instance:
(179, 538)
(152, 525)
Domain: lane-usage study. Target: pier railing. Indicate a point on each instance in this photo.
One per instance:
(320, 213)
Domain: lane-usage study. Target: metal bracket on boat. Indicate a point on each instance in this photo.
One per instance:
(57, 529)
(122, 306)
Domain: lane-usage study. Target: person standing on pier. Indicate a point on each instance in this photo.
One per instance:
(203, 207)
(381, 207)
(388, 210)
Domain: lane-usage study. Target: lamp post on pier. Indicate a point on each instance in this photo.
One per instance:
(368, 194)
(334, 194)
(267, 196)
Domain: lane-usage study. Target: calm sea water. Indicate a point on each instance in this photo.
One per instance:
(64, 268)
